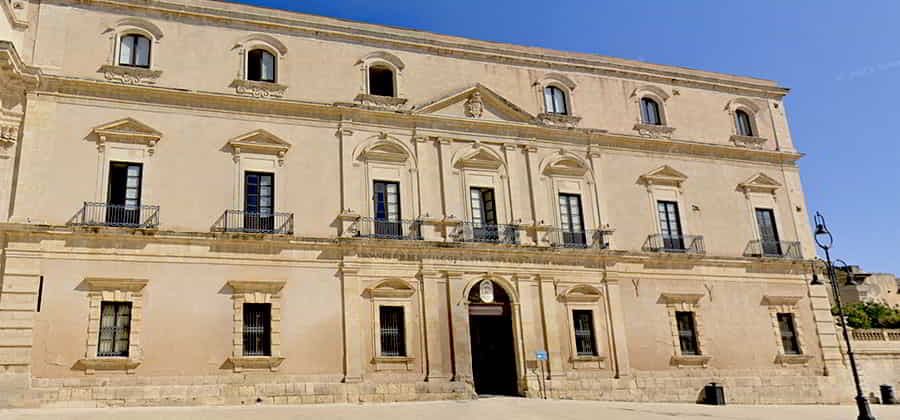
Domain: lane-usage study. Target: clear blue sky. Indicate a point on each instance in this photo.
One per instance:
(840, 59)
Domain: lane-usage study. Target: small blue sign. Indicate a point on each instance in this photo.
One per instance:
(541, 355)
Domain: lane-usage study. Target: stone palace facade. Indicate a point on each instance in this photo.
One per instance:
(214, 203)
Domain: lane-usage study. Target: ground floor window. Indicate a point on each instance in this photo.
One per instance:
(393, 340)
(687, 333)
(788, 333)
(115, 329)
(585, 342)
(257, 329)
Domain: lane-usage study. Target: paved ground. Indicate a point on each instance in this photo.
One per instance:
(483, 409)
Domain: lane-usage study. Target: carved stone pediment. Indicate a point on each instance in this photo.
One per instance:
(113, 284)
(386, 152)
(566, 167)
(581, 294)
(476, 102)
(680, 298)
(256, 286)
(481, 159)
(750, 142)
(391, 289)
(558, 120)
(654, 131)
(378, 101)
(258, 89)
(130, 75)
(664, 175)
(259, 141)
(773, 300)
(127, 130)
(760, 183)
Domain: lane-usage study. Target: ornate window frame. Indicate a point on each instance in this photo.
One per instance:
(756, 141)
(781, 304)
(480, 166)
(258, 151)
(255, 291)
(113, 290)
(686, 302)
(124, 140)
(114, 72)
(665, 129)
(589, 298)
(257, 89)
(567, 86)
(396, 66)
(666, 184)
(565, 172)
(760, 193)
(393, 293)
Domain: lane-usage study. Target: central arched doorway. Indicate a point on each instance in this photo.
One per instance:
(493, 346)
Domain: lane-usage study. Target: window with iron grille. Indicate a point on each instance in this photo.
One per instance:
(393, 340)
(257, 329)
(788, 333)
(687, 333)
(115, 329)
(585, 344)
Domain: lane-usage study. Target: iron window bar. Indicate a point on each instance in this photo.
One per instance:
(773, 249)
(584, 333)
(487, 233)
(257, 329)
(115, 329)
(117, 215)
(393, 340)
(688, 244)
(240, 221)
(370, 227)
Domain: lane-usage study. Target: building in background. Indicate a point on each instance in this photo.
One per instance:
(215, 203)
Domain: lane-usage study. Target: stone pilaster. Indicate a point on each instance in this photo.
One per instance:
(618, 340)
(825, 328)
(434, 292)
(551, 326)
(18, 302)
(353, 343)
(459, 324)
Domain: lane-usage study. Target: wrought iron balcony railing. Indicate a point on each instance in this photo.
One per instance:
(773, 249)
(241, 221)
(480, 232)
(116, 215)
(688, 244)
(369, 227)
(591, 238)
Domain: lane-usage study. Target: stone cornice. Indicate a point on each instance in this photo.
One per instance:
(405, 250)
(82, 88)
(265, 19)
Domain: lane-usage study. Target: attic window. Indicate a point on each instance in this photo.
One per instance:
(381, 81)
(260, 66)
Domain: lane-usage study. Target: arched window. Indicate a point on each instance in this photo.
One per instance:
(134, 51)
(261, 66)
(742, 121)
(650, 112)
(381, 81)
(555, 100)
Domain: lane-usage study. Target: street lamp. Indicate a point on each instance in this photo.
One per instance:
(825, 241)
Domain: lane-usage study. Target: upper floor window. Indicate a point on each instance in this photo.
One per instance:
(259, 201)
(124, 193)
(768, 232)
(742, 121)
(261, 66)
(381, 81)
(134, 51)
(571, 222)
(670, 225)
(650, 112)
(555, 101)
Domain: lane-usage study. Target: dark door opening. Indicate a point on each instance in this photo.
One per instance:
(493, 348)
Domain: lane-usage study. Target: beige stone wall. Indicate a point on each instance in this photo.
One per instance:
(196, 134)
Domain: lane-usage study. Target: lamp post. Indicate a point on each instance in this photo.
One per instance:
(825, 241)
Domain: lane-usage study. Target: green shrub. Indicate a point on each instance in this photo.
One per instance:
(870, 315)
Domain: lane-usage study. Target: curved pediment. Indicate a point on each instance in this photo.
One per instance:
(566, 165)
(383, 56)
(391, 288)
(385, 152)
(664, 175)
(268, 40)
(581, 293)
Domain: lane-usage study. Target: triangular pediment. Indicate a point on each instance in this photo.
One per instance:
(127, 129)
(760, 183)
(480, 159)
(664, 175)
(260, 141)
(476, 102)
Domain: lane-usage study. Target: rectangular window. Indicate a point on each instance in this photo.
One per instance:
(585, 343)
(484, 214)
(670, 225)
(788, 333)
(386, 200)
(124, 194)
(571, 222)
(687, 333)
(257, 329)
(768, 233)
(115, 329)
(393, 340)
(259, 201)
